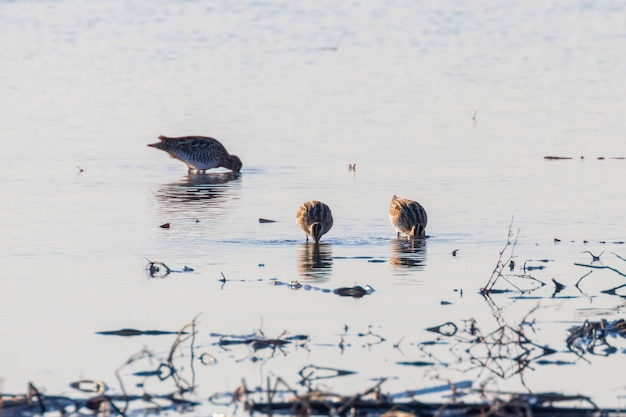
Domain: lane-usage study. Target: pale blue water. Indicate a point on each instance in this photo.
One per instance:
(299, 90)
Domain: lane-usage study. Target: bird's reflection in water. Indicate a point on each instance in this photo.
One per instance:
(408, 253)
(195, 194)
(315, 261)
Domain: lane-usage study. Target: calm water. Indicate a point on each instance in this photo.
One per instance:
(299, 90)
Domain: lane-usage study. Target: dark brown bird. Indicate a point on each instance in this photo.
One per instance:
(315, 219)
(408, 217)
(199, 153)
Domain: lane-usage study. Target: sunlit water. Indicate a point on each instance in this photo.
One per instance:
(453, 104)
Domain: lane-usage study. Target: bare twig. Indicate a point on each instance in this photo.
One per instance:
(500, 264)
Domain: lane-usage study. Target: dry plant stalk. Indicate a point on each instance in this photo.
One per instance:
(500, 264)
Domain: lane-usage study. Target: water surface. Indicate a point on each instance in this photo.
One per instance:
(452, 104)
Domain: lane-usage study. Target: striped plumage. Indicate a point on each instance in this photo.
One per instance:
(315, 219)
(199, 153)
(408, 217)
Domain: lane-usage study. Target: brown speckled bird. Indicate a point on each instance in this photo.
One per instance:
(315, 219)
(199, 153)
(408, 217)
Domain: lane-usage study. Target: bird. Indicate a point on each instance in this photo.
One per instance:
(408, 217)
(199, 153)
(315, 219)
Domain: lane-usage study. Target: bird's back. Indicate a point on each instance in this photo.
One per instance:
(408, 216)
(314, 212)
(198, 152)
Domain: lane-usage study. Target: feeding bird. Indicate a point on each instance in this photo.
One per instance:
(199, 153)
(408, 217)
(315, 219)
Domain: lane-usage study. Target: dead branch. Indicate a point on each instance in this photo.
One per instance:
(501, 264)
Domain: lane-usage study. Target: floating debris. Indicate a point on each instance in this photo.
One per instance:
(262, 220)
(268, 343)
(165, 226)
(445, 329)
(294, 285)
(312, 373)
(600, 158)
(357, 291)
(415, 363)
(594, 258)
(371, 401)
(135, 332)
(258, 340)
(591, 335)
(378, 339)
(207, 359)
(157, 269)
(89, 385)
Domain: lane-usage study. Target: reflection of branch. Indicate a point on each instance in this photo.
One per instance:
(446, 329)
(173, 372)
(580, 279)
(369, 333)
(137, 356)
(601, 267)
(617, 271)
(308, 374)
(504, 352)
(623, 259)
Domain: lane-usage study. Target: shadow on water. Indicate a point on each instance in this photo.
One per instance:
(315, 261)
(408, 254)
(199, 191)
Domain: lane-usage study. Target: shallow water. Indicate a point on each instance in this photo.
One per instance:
(452, 104)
